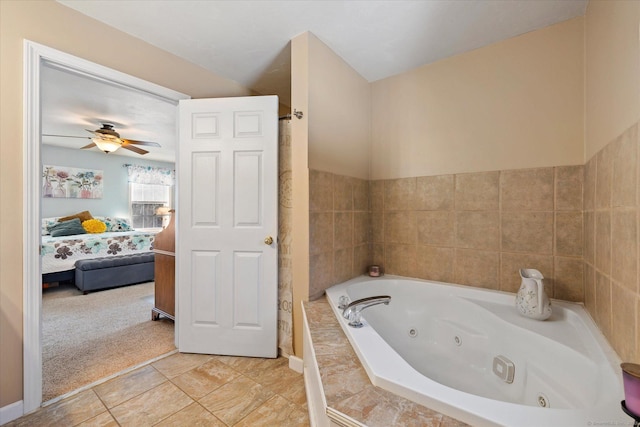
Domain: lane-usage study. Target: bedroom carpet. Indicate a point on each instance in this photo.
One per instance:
(89, 337)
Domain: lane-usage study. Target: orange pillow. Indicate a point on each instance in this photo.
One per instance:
(82, 216)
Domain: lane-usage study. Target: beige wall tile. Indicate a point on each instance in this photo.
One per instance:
(360, 228)
(624, 248)
(527, 189)
(589, 193)
(603, 178)
(360, 194)
(377, 255)
(376, 232)
(400, 227)
(477, 191)
(320, 191)
(342, 265)
(400, 259)
(477, 268)
(530, 232)
(510, 266)
(435, 263)
(569, 189)
(590, 289)
(623, 325)
(435, 192)
(568, 281)
(569, 230)
(361, 259)
(603, 304)
(342, 193)
(376, 195)
(589, 234)
(603, 241)
(320, 232)
(625, 165)
(399, 194)
(435, 228)
(320, 273)
(478, 230)
(343, 230)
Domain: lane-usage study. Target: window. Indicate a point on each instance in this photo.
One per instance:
(145, 200)
(150, 188)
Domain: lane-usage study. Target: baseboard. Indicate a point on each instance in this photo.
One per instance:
(11, 412)
(296, 364)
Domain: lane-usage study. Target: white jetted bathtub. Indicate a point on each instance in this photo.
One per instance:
(467, 353)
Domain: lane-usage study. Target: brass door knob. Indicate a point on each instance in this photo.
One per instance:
(268, 240)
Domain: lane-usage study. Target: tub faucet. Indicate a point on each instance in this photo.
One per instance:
(353, 310)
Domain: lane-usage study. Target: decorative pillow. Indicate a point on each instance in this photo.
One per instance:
(94, 226)
(82, 216)
(67, 228)
(46, 224)
(117, 224)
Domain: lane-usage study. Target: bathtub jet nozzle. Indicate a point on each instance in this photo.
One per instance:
(353, 310)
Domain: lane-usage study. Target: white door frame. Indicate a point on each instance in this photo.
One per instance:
(35, 55)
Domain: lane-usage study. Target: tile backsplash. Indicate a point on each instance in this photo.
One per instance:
(338, 229)
(474, 229)
(611, 198)
(478, 229)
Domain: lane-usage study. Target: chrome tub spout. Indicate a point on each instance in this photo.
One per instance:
(353, 310)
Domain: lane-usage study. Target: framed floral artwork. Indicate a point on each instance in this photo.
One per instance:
(76, 183)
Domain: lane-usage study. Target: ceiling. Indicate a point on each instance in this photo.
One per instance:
(248, 41)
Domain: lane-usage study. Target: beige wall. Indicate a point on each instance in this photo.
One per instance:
(513, 104)
(300, 182)
(612, 85)
(339, 114)
(333, 136)
(59, 27)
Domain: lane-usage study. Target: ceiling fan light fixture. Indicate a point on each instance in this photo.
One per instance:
(106, 145)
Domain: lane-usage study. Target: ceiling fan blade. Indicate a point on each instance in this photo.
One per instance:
(134, 149)
(93, 144)
(66, 136)
(133, 141)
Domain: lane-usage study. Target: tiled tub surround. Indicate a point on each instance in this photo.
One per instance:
(338, 229)
(478, 229)
(348, 393)
(611, 215)
(474, 229)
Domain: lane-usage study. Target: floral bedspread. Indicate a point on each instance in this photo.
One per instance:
(61, 253)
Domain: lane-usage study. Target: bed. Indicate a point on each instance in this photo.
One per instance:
(59, 254)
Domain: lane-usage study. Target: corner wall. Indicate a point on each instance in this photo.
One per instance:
(339, 114)
(611, 173)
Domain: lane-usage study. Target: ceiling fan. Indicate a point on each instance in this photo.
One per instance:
(108, 140)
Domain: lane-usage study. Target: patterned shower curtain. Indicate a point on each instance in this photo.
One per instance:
(285, 292)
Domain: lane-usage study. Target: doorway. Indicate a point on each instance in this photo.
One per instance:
(35, 57)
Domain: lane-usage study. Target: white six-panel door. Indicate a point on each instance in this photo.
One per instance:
(227, 170)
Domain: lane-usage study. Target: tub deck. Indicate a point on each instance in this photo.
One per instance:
(347, 388)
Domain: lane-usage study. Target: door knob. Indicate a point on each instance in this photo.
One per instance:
(268, 240)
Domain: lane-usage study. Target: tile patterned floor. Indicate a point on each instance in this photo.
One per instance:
(187, 390)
